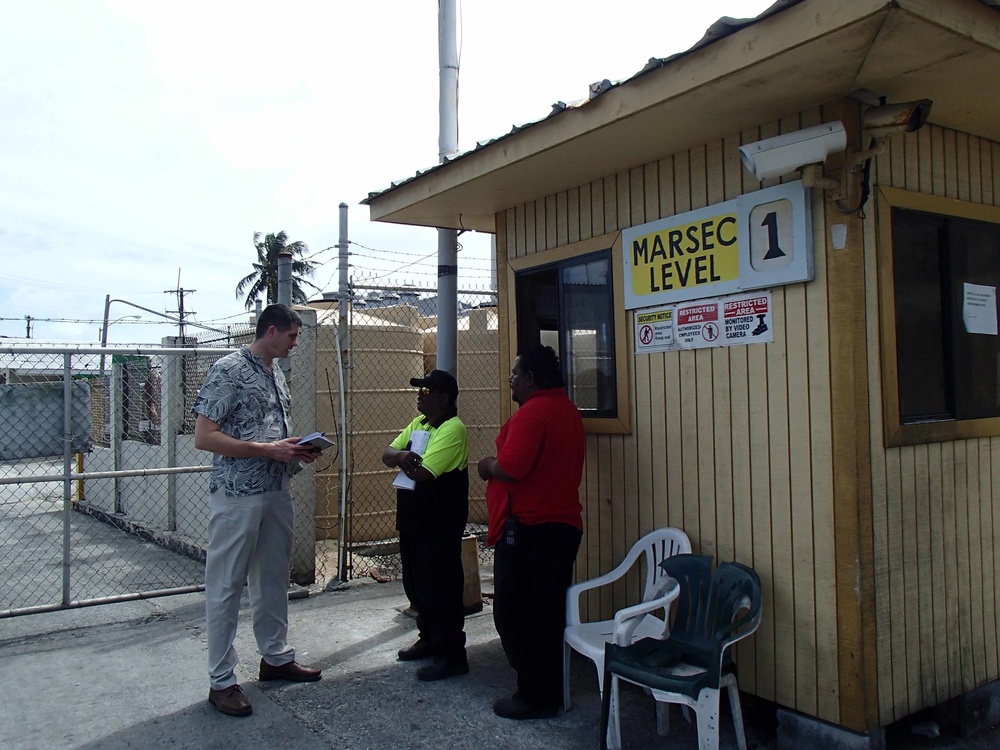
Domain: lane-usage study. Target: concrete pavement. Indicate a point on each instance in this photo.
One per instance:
(132, 675)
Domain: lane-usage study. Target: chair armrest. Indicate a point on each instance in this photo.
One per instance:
(627, 619)
(573, 592)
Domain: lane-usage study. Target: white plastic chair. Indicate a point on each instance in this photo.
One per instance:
(631, 623)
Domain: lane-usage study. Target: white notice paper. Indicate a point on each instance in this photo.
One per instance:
(979, 309)
(418, 444)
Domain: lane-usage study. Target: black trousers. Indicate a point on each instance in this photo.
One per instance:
(529, 607)
(434, 581)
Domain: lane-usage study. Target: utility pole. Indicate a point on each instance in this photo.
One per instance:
(180, 292)
(27, 333)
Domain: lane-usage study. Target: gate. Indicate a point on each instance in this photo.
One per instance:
(102, 493)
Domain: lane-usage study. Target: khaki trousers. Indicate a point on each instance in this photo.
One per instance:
(249, 539)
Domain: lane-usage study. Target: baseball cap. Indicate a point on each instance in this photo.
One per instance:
(437, 380)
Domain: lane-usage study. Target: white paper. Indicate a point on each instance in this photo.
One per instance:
(418, 444)
(979, 309)
(403, 482)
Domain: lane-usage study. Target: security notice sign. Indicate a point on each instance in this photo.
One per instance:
(654, 330)
(723, 321)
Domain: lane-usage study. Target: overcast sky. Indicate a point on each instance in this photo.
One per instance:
(142, 144)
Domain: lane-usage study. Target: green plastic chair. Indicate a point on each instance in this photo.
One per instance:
(715, 609)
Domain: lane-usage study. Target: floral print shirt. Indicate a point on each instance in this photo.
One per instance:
(248, 402)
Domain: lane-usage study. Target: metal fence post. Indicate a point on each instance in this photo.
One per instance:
(67, 471)
(303, 388)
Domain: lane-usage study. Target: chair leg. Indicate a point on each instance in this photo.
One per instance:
(606, 711)
(566, 655)
(707, 712)
(734, 705)
(614, 726)
(662, 718)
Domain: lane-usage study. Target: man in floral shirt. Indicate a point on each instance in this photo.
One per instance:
(243, 418)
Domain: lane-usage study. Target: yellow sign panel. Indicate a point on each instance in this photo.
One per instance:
(686, 256)
(655, 317)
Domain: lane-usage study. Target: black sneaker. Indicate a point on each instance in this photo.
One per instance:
(516, 708)
(419, 650)
(441, 668)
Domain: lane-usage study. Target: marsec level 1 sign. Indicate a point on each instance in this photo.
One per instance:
(760, 239)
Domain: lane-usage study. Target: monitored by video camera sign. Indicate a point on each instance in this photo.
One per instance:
(758, 240)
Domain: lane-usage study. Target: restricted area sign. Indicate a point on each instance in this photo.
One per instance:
(722, 321)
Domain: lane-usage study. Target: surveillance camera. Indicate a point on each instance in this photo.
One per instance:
(888, 119)
(783, 154)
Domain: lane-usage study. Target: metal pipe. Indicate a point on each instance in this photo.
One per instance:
(448, 80)
(104, 329)
(285, 297)
(447, 297)
(67, 470)
(119, 474)
(91, 349)
(285, 277)
(101, 600)
(343, 308)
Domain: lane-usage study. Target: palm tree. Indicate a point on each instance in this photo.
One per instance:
(264, 279)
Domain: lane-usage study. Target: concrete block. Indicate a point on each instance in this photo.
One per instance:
(796, 731)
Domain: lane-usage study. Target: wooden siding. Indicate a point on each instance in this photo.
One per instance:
(935, 515)
(878, 565)
(733, 445)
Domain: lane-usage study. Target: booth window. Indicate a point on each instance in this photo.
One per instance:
(567, 300)
(945, 273)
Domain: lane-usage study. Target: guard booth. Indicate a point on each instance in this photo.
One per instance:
(786, 348)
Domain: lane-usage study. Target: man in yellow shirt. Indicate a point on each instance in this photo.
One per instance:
(432, 508)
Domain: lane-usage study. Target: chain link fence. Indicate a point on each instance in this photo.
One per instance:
(392, 337)
(103, 494)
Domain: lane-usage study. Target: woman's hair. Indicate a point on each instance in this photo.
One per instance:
(542, 362)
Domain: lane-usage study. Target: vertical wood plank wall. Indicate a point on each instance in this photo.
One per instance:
(733, 445)
(936, 520)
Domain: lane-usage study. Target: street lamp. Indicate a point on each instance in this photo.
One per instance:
(104, 331)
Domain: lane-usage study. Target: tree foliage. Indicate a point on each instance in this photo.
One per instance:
(264, 279)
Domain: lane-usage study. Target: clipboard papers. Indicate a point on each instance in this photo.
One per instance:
(418, 444)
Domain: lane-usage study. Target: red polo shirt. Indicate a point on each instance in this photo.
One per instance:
(542, 447)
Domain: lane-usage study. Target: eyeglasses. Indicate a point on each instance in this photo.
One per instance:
(426, 391)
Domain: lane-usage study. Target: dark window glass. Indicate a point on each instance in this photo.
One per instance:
(944, 371)
(569, 306)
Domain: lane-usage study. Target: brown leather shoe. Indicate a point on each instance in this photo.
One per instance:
(230, 701)
(292, 671)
